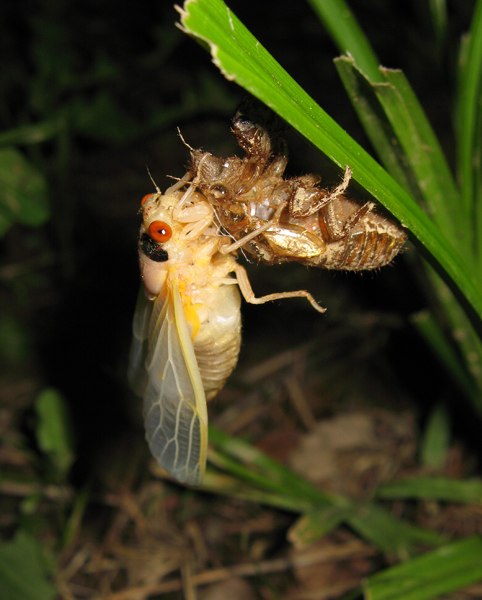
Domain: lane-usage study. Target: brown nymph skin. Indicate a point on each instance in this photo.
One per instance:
(278, 219)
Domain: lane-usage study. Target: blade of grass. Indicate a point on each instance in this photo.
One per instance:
(388, 533)
(436, 439)
(438, 10)
(433, 488)
(240, 57)
(73, 525)
(312, 526)
(423, 153)
(404, 140)
(239, 487)
(429, 329)
(468, 338)
(377, 127)
(244, 461)
(403, 112)
(338, 19)
(251, 475)
(432, 575)
(421, 167)
(468, 122)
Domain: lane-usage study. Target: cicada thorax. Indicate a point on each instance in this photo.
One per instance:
(169, 252)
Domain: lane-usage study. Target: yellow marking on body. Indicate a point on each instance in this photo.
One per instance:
(190, 310)
(204, 261)
(192, 316)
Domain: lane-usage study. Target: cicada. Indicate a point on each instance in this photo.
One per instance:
(278, 219)
(186, 330)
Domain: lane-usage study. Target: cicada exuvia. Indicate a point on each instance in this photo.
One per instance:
(278, 219)
(187, 324)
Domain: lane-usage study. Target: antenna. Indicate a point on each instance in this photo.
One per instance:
(152, 179)
(184, 141)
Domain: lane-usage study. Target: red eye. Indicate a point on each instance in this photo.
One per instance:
(146, 198)
(159, 231)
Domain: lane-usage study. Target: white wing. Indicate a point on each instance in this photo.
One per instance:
(136, 374)
(175, 411)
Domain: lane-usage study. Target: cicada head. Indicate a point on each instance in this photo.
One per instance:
(158, 237)
(176, 231)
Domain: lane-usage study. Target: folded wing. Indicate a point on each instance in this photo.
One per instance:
(175, 411)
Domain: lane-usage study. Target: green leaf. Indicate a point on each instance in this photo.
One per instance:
(54, 432)
(34, 133)
(432, 575)
(23, 191)
(15, 341)
(23, 571)
(433, 488)
(405, 141)
(101, 118)
(403, 114)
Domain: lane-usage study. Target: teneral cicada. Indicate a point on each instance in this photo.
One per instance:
(279, 219)
(186, 325)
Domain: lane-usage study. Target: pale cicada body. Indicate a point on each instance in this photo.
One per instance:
(186, 326)
(186, 329)
(279, 219)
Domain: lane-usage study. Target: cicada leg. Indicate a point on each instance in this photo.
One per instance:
(193, 210)
(228, 248)
(179, 184)
(249, 296)
(307, 202)
(329, 222)
(355, 217)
